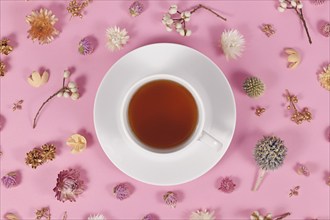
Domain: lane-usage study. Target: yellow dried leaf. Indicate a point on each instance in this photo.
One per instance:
(36, 79)
(11, 216)
(77, 143)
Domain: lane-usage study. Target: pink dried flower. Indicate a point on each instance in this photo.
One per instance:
(170, 199)
(9, 180)
(68, 185)
(85, 47)
(149, 217)
(136, 8)
(325, 29)
(317, 2)
(227, 185)
(121, 191)
(302, 170)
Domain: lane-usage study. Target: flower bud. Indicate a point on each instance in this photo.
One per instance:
(66, 74)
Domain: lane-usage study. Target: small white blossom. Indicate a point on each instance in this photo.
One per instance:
(74, 89)
(173, 9)
(60, 94)
(188, 33)
(293, 3)
(178, 26)
(72, 85)
(186, 15)
(66, 74)
(75, 96)
(232, 43)
(168, 28)
(280, 9)
(182, 32)
(284, 5)
(66, 95)
(300, 6)
(116, 38)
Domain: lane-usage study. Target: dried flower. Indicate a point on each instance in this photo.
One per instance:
(5, 48)
(269, 154)
(9, 180)
(75, 8)
(170, 199)
(294, 191)
(68, 186)
(11, 216)
(325, 29)
(69, 90)
(37, 79)
(297, 6)
(42, 26)
(202, 215)
(48, 151)
(2, 69)
(34, 158)
(253, 87)
(116, 38)
(77, 143)
(43, 213)
(85, 47)
(136, 8)
(293, 58)
(121, 191)
(259, 110)
(257, 216)
(96, 217)
(17, 105)
(65, 216)
(324, 77)
(174, 19)
(268, 29)
(317, 2)
(149, 217)
(232, 43)
(297, 117)
(227, 185)
(302, 170)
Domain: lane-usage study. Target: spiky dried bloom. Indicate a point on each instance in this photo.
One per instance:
(253, 87)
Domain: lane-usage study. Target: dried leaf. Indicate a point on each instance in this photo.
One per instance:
(11, 216)
(36, 79)
(77, 143)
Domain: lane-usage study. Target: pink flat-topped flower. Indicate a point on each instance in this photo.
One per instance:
(68, 186)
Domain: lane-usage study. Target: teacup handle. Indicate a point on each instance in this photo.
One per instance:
(210, 140)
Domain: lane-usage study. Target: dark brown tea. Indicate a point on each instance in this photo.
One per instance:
(162, 114)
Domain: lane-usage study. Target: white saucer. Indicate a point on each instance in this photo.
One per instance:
(201, 73)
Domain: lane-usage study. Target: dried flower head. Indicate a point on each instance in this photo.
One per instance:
(9, 180)
(122, 191)
(43, 213)
(149, 217)
(232, 43)
(317, 2)
(77, 143)
(17, 105)
(34, 158)
(294, 191)
(69, 185)
(268, 29)
(85, 47)
(170, 199)
(253, 87)
(202, 215)
(96, 217)
(136, 8)
(37, 79)
(297, 116)
(75, 8)
(5, 48)
(11, 216)
(2, 69)
(324, 77)
(48, 151)
(259, 110)
(302, 170)
(227, 185)
(293, 58)
(116, 38)
(42, 26)
(270, 153)
(257, 216)
(325, 29)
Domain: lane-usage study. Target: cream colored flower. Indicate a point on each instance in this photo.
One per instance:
(96, 217)
(202, 215)
(293, 58)
(36, 79)
(77, 143)
(324, 78)
(256, 216)
(116, 38)
(232, 43)
(42, 26)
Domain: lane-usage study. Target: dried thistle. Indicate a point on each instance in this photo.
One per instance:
(43, 213)
(297, 116)
(5, 48)
(75, 8)
(34, 158)
(268, 29)
(253, 87)
(17, 105)
(324, 77)
(294, 191)
(69, 90)
(2, 69)
(48, 151)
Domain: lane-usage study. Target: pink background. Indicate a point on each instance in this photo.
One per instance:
(62, 117)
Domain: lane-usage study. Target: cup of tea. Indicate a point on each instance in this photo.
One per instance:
(164, 114)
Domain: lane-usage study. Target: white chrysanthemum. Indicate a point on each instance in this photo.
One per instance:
(116, 38)
(232, 43)
(96, 217)
(202, 215)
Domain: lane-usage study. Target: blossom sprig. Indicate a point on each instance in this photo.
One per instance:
(297, 6)
(67, 90)
(175, 19)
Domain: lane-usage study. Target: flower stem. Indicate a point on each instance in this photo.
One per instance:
(43, 104)
(210, 10)
(280, 217)
(301, 16)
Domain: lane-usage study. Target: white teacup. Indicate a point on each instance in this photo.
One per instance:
(199, 133)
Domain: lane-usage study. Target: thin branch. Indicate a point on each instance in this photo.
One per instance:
(301, 16)
(280, 217)
(210, 10)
